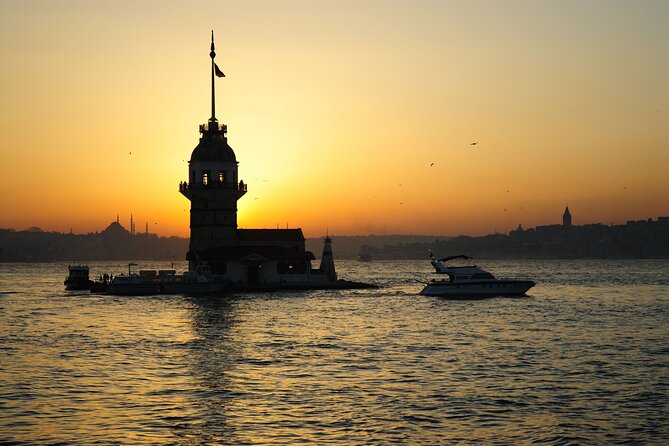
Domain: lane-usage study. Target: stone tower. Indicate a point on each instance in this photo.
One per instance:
(566, 218)
(212, 187)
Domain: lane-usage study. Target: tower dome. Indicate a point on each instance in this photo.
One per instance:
(213, 146)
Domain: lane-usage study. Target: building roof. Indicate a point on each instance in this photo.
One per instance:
(284, 235)
(276, 253)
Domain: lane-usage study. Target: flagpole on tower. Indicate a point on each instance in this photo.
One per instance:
(212, 54)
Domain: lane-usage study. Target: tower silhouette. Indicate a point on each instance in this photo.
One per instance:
(212, 188)
(566, 217)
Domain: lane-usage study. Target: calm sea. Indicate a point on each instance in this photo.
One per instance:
(584, 359)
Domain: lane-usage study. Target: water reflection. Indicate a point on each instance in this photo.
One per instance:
(211, 355)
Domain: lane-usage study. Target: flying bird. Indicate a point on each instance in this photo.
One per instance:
(431, 164)
(473, 144)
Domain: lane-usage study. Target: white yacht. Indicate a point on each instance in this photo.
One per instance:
(470, 281)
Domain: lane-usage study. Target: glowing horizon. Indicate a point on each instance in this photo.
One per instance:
(354, 118)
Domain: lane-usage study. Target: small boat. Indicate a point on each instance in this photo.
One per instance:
(471, 281)
(148, 282)
(365, 254)
(77, 278)
(364, 257)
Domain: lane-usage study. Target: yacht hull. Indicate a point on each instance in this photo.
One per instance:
(477, 289)
(78, 284)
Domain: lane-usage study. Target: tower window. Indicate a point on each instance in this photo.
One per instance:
(205, 178)
(221, 176)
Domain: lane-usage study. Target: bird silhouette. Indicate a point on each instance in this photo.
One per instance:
(473, 144)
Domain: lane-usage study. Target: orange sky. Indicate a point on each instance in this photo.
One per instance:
(354, 117)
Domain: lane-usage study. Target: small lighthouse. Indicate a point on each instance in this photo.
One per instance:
(327, 261)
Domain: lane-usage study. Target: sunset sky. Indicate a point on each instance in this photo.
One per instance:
(352, 117)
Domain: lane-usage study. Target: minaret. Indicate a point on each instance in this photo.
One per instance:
(327, 261)
(566, 217)
(212, 186)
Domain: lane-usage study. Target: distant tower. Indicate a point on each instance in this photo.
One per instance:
(566, 217)
(327, 261)
(132, 225)
(212, 186)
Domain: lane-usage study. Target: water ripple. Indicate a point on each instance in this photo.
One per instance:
(583, 360)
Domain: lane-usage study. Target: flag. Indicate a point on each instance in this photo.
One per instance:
(218, 71)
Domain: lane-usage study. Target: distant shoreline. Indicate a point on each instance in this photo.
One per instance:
(642, 239)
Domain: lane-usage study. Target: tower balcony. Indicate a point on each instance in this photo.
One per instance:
(187, 189)
(213, 127)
